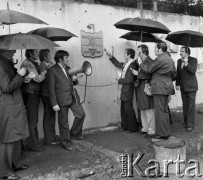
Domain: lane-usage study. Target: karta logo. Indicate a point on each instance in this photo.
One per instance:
(130, 163)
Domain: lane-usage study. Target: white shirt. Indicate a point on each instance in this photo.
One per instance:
(63, 68)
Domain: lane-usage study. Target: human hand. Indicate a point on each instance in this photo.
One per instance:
(177, 88)
(31, 75)
(134, 71)
(27, 79)
(44, 72)
(56, 108)
(74, 78)
(22, 71)
(139, 60)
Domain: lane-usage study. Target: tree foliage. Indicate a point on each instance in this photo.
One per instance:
(189, 7)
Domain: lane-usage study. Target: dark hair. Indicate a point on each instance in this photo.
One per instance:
(144, 49)
(162, 46)
(43, 53)
(28, 51)
(60, 55)
(130, 52)
(187, 49)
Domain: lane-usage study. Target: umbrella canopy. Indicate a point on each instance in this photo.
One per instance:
(25, 41)
(12, 17)
(140, 24)
(186, 38)
(54, 34)
(141, 36)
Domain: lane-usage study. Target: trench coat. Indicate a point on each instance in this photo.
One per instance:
(13, 121)
(144, 101)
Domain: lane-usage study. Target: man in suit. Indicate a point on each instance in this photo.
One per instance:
(50, 137)
(126, 90)
(63, 97)
(186, 82)
(163, 72)
(145, 103)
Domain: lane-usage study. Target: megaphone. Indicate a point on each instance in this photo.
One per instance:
(86, 68)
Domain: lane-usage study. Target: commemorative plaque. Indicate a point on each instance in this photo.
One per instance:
(92, 44)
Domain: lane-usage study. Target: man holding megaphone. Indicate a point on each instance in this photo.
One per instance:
(63, 97)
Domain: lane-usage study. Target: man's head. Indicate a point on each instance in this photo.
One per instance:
(129, 54)
(143, 51)
(32, 54)
(7, 53)
(45, 55)
(160, 48)
(184, 51)
(61, 57)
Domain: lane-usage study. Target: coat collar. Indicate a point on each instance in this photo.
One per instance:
(60, 71)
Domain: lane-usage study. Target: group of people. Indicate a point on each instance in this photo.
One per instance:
(152, 81)
(20, 93)
(21, 90)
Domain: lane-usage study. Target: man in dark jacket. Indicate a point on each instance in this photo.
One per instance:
(64, 97)
(31, 93)
(126, 90)
(13, 121)
(186, 81)
(163, 71)
(145, 103)
(50, 136)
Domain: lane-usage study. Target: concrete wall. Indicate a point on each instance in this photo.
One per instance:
(100, 106)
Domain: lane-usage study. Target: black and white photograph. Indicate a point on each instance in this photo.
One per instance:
(101, 89)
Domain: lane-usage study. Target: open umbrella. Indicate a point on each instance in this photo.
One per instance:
(186, 38)
(25, 41)
(141, 36)
(54, 34)
(140, 24)
(8, 17)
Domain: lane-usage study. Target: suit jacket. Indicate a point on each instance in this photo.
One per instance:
(44, 87)
(13, 120)
(127, 90)
(186, 76)
(60, 87)
(163, 72)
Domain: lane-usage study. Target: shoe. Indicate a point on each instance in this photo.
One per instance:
(68, 146)
(189, 129)
(149, 136)
(142, 132)
(77, 137)
(160, 137)
(23, 167)
(55, 142)
(13, 177)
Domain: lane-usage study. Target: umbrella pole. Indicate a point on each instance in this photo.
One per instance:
(21, 55)
(189, 41)
(141, 36)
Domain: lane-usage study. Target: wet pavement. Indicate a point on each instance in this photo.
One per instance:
(98, 156)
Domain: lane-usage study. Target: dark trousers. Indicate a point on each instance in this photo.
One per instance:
(76, 129)
(31, 101)
(162, 120)
(128, 117)
(48, 121)
(188, 99)
(10, 157)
